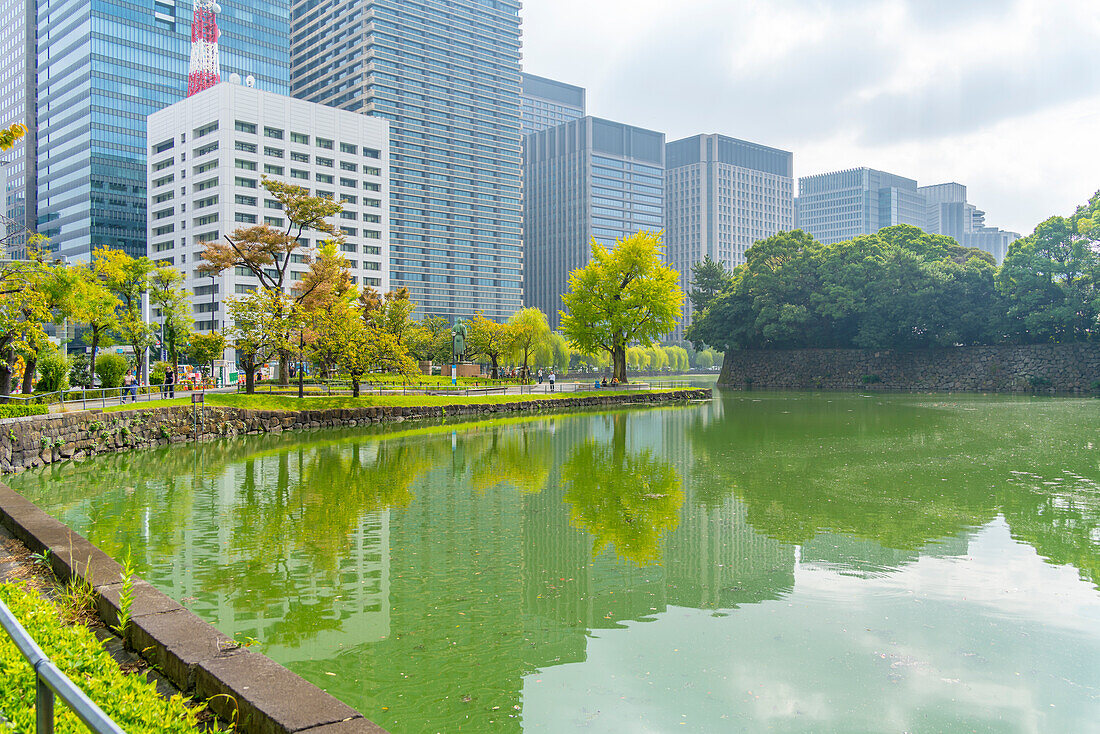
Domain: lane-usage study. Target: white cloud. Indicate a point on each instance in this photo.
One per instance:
(1001, 95)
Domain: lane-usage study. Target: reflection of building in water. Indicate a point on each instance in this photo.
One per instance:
(297, 608)
(866, 558)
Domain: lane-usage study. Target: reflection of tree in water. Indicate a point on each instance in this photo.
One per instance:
(520, 456)
(904, 471)
(626, 500)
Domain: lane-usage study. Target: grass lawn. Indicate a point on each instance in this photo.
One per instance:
(289, 402)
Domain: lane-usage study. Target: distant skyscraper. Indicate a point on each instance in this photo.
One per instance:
(583, 180)
(834, 207)
(18, 79)
(949, 213)
(445, 73)
(546, 103)
(721, 196)
(102, 69)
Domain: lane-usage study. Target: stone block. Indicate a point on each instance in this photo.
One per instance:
(351, 726)
(177, 642)
(269, 698)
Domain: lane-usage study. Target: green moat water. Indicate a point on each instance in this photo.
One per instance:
(764, 562)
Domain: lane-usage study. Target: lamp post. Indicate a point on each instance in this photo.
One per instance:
(213, 323)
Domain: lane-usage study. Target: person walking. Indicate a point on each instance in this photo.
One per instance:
(551, 381)
(130, 382)
(170, 381)
(540, 375)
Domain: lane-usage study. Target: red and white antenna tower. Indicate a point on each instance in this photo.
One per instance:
(204, 72)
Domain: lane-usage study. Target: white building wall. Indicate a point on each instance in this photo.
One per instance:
(205, 164)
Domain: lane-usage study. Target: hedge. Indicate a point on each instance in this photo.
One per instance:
(19, 411)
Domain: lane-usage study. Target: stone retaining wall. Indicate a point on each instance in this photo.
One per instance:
(1043, 368)
(37, 440)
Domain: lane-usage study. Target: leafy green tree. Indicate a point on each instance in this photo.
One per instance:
(708, 279)
(268, 252)
(559, 346)
(93, 304)
(392, 313)
(530, 338)
(361, 344)
(128, 278)
(110, 368)
(24, 308)
(260, 323)
(429, 340)
(1051, 279)
(704, 359)
(491, 340)
(624, 295)
(174, 306)
(203, 349)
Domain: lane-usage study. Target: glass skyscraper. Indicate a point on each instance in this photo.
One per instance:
(103, 67)
(545, 103)
(584, 180)
(445, 73)
(17, 78)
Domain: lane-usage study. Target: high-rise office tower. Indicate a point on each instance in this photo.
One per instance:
(721, 196)
(839, 206)
(18, 39)
(445, 73)
(584, 180)
(546, 103)
(102, 69)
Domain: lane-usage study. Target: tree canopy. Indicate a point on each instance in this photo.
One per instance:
(624, 295)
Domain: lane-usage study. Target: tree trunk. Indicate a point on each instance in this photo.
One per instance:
(95, 350)
(284, 369)
(354, 386)
(6, 369)
(618, 363)
(495, 371)
(28, 374)
(249, 378)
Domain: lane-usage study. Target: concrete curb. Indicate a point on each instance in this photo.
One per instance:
(266, 697)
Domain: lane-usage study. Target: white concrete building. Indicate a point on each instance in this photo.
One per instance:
(207, 154)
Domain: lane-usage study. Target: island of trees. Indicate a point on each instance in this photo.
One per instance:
(902, 288)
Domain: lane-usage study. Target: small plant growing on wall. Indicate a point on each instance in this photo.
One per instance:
(1039, 382)
(870, 379)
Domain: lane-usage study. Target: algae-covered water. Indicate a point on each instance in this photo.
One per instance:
(763, 562)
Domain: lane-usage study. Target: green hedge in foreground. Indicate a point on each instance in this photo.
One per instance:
(18, 411)
(132, 702)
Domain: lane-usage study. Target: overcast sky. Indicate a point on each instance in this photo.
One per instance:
(1000, 95)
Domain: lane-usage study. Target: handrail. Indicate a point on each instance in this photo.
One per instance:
(50, 681)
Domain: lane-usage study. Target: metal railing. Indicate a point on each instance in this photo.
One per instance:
(50, 682)
(91, 397)
(344, 388)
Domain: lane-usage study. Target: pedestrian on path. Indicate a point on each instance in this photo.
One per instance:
(540, 375)
(170, 382)
(551, 381)
(130, 382)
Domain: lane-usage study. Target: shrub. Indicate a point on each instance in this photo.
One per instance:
(1037, 381)
(78, 370)
(110, 368)
(53, 369)
(1095, 385)
(870, 379)
(129, 699)
(19, 411)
